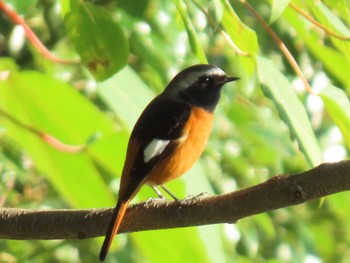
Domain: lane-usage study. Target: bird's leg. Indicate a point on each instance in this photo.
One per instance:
(158, 192)
(160, 195)
(169, 193)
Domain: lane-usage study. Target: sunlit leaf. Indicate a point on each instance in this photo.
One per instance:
(338, 107)
(278, 7)
(291, 109)
(185, 246)
(191, 32)
(98, 39)
(328, 19)
(22, 6)
(126, 94)
(217, 9)
(340, 7)
(243, 37)
(41, 102)
(331, 58)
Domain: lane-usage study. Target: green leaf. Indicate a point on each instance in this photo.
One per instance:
(191, 32)
(97, 38)
(291, 109)
(65, 7)
(22, 7)
(155, 55)
(196, 183)
(8, 64)
(217, 9)
(57, 109)
(278, 7)
(331, 58)
(126, 94)
(338, 107)
(340, 7)
(326, 15)
(243, 37)
(332, 22)
(176, 245)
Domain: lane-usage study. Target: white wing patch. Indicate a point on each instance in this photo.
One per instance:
(154, 148)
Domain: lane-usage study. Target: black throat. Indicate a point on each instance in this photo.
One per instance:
(204, 98)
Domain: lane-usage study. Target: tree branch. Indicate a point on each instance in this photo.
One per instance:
(277, 192)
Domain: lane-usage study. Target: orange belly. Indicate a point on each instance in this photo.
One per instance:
(191, 146)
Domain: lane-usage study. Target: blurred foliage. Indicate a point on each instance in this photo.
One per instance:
(266, 123)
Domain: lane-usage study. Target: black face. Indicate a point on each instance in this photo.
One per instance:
(205, 91)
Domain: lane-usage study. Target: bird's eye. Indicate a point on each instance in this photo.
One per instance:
(204, 81)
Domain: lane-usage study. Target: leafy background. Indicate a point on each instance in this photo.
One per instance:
(266, 124)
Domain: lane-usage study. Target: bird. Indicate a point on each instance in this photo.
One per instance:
(169, 136)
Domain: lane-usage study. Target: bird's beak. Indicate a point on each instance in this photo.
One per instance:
(230, 79)
(226, 80)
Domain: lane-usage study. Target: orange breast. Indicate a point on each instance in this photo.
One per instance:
(190, 147)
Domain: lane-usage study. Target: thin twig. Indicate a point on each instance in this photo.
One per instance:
(32, 37)
(318, 24)
(281, 46)
(49, 139)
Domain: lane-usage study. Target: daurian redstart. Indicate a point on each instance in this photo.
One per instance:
(169, 136)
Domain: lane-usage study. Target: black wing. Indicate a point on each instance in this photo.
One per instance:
(162, 120)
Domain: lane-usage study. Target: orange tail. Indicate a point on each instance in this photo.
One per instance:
(117, 218)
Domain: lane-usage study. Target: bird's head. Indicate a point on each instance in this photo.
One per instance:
(199, 85)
